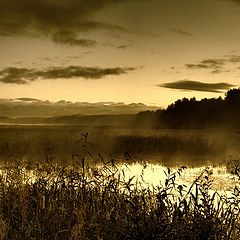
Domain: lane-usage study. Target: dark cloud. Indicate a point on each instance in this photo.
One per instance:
(71, 39)
(213, 63)
(26, 75)
(122, 47)
(236, 1)
(196, 66)
(16, 75)
(73, 57)
(233, 58)
(181, 31)
(25, 99)
(197, 86)
(216, 65)
(52, 18)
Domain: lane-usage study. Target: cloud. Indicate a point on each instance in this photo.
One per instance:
(216, 65)
(196, 66)
(25, 75)
(213, 64)
(236, 1)
(31, 107)
(70, 38)
(52, 18)
(233, 58)
(25, 99)
(197, 86)
(182, 32)
(122, 46)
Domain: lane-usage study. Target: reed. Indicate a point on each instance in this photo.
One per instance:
(85, 200)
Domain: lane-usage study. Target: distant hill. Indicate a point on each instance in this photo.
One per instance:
(93, 120)
(29, 107)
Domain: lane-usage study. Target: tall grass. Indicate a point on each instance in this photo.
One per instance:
(88, 201)
(32, 143)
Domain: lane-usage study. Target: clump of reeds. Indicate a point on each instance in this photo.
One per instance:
(87, 201)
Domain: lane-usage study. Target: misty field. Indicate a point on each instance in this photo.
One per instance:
(166, 147)
(61, 183)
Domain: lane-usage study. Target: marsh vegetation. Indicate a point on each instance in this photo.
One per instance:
(88, 201)
(92, 197)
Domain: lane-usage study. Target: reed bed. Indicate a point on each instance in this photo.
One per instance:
(94, 201)
(34, 142)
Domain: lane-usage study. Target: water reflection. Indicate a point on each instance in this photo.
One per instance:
(147, 175)
(155, 175)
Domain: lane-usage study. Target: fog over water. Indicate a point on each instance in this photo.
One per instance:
(166, 147)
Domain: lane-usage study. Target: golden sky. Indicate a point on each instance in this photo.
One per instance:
(148, 51)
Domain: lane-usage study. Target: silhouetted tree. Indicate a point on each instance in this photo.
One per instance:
(233, 97)
(190, 113)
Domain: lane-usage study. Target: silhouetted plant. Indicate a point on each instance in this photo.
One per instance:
(97, 201)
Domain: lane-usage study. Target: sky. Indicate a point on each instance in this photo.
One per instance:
(130, 51)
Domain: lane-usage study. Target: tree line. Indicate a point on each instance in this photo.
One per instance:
(191, 113)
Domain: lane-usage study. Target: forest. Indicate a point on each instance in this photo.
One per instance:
(191, 113)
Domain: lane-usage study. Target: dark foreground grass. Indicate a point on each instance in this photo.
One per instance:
(88, 201)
